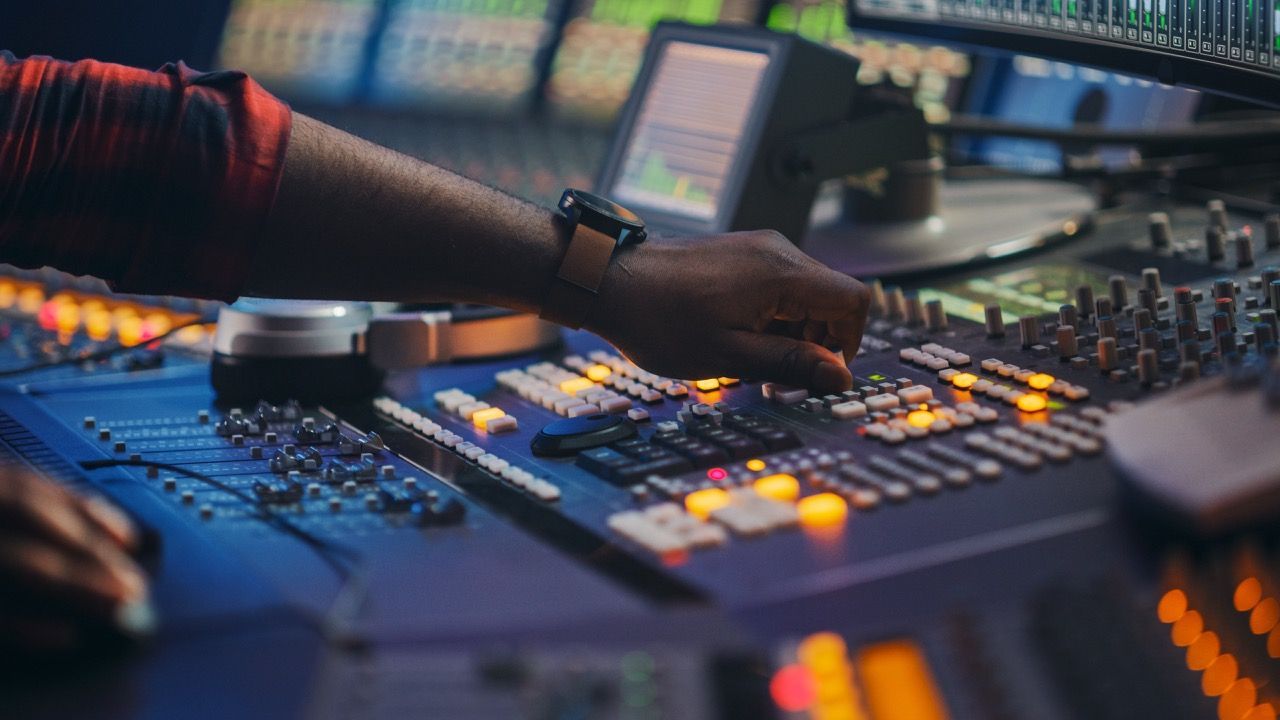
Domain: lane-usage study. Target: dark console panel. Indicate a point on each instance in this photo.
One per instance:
(567, 535)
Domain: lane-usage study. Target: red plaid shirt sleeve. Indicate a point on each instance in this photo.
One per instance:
(157, 182)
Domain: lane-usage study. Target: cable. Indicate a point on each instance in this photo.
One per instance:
(1202, 135)
(102, 354)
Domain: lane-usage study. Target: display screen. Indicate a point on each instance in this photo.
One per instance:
(1034, 91)
(688, 129)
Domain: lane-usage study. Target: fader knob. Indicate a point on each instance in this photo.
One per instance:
(1101, 307)
(1272, 223)
(1273, 294)
(1151, 281)
(995, 321)
(1148, 367)
(1106, 326)
(897, 303)
(1244, 251)
(1217, 214)
(1119, 291)
(877, 298)
(1107, 357)
(1084, 301)
(915, 313)
(1067, 315)
(1215, 243)
(1067, 342)
(1160, 231)
(1141, 319)
(935, 318)
(1029, 330)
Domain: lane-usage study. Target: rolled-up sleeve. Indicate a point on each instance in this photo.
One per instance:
(157, 182)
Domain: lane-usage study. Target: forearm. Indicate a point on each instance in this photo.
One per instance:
(356, 221)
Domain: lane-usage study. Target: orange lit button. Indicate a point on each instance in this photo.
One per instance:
(702, 503)
(822, 510)
(1040, 381)
(597, 373)
(964, 381)
(480, 417)
(1173, 605)
(1032, 403)
(707, 385)
(780, 487)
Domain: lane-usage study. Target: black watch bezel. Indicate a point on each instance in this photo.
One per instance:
(603, 215)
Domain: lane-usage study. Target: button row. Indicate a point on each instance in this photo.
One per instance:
(479, 413)
(666, 529)
(934, 356)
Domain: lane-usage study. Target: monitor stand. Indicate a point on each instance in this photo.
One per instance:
(975, 221)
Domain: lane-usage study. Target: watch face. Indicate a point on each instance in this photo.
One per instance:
(601, 206)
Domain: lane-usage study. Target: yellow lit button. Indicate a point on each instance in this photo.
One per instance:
(920, 418)
(1203, 650)
(728, 381)
(1248, 593)
(30, 299)
(129, 330)
(1040, 381)
(573, 386)
(1219, 675)
(707, 385)
(1237, 700)
(822, 510)
(702, 503)
(1264, 617)
(964, 381)
(480, 417)
(598, 373)
(1187, 628)
(821, 648)
(1032, 403)
(8, 294)
(781, 487)
(1173, 605)
(899, 683)
(755, 465)
(67, 316)
(97, 324)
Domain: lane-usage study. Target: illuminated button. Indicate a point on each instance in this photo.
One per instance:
(129, 330)
(1219, 675)
(702, 503)
(728, 381)
(821, 649)
(781, 487)
(1238, 699)
(30, 299)
(1247, 594)
(1264, 616)
(707, 385)
(920, 418)
(755, 465)
(1203, 650)
(1261, 711)
(899, 682)
(596, 373)
(1040, 381)
(1031, 403)
(792, 688)
(1186, 628)
(964, 381)
(822, 510)
(480, 418)
(467, 410)
(576, 385)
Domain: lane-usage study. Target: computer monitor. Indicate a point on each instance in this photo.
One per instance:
(1227, 46)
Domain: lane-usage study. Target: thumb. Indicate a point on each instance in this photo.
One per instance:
(786, 360)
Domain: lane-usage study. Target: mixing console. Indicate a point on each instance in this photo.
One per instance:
(946, 539)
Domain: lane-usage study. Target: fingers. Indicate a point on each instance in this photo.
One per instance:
(35, 571)
(786, 360)
(833, 304)
(110, 520)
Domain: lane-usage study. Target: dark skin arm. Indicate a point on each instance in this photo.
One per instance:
(357, 221)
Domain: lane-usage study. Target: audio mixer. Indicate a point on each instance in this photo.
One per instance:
(566, 534)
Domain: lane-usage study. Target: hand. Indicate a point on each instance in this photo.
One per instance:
(64, 571)
(745, 304)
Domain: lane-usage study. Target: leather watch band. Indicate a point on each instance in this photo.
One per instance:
(573, 291)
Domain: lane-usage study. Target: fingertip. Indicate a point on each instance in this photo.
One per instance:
(831, 378)
(111, 519)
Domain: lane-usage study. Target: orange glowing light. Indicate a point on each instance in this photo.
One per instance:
(702, 503)
(597, 373)
(920, 418)
(780, 487)
(1032, 403)
(1040, 381)
(8, 294)
(1219, 675)
(821, 648)
(129, 330)
(707, 385)
(30, 299)
(792, 688)
(1203, 650)
(899, 683)
(67, 317)
(1186, 628)
(1173, 605)
(756, 465)
(1273, 643)
(1261, 711)
(1238, 699)
(97, 324)
(822, 510)
(964, 381)
(1264, 616)
(1247, 594)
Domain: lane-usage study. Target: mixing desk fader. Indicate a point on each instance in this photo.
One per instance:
(566, 532)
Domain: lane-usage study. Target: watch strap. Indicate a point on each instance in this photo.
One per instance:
(573, 290)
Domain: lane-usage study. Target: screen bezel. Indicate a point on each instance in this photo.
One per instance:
(1201, 73)
(657, 219)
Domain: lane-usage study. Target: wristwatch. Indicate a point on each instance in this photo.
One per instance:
(596, 228)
